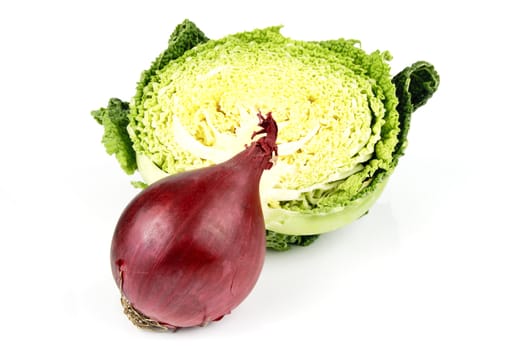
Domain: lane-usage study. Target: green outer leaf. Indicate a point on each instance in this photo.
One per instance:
(415, 85)
(116, 139)
(282, 242)
(185, 36)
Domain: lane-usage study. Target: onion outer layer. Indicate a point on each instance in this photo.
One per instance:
(190, 247)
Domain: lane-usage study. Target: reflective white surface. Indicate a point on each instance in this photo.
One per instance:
(438, 263)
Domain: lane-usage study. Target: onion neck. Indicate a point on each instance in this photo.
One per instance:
(265, 148)
(261, 154)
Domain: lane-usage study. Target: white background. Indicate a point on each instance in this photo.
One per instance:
(437, 264)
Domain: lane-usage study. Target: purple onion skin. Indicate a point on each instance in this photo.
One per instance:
(189, 248)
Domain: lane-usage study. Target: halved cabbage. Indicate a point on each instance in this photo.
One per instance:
(341, 126)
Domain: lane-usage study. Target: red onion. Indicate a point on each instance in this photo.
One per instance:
(190, 247)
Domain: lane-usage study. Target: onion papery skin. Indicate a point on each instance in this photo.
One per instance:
(189, 248)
